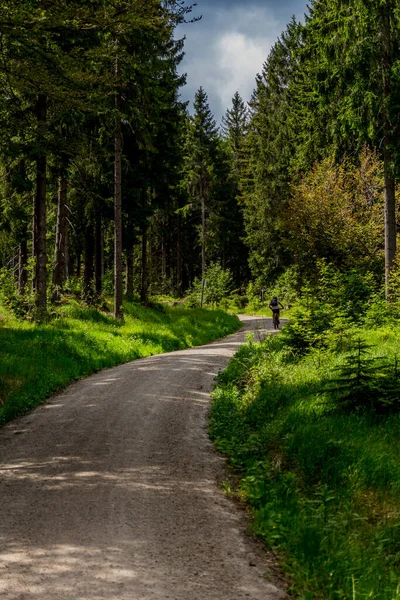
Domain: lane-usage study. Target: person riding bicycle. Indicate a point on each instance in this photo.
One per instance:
(275, 306)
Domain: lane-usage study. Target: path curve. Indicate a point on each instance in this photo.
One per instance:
(109, 490)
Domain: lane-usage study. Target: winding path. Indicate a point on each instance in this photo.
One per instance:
(109, 491)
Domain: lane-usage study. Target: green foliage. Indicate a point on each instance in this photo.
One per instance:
(200, 151)
(218, 287)
(39, 359)
(18, 304)
(74, 74)
(364, 382)
(379, 312)
(333, 300)
(335, 214)
(323, 485)
(271, 143)
(285, 287)
(235, 124)
(353, 387)
(313, 187)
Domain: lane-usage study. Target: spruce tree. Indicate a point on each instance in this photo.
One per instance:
(235, 125)
(200, 153)
(271, 146)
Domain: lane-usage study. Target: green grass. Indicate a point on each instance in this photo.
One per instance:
(324, 486)
(39, 359)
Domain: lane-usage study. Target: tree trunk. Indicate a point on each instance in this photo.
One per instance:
(179, 275)
(60, 252)
(22, 262)
(163, 264)
(203, 236)
(129, 273)
(40, 212)
(117, 207)
(66, 252)
(88, 272)
(143, 287)
(390, 199)
(98, 256)
(34, 238)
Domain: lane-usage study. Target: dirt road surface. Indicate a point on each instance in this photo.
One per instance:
(110, 491)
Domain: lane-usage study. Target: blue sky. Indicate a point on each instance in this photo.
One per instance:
(227, 48)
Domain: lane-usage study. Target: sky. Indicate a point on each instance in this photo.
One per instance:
(227, 48)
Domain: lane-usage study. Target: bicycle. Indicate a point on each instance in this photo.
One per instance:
(275, 320)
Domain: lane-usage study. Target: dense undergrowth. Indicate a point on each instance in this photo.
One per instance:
(324, 484)
(38, 359)
(310, 422)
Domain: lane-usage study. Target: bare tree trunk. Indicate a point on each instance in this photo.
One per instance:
(40, 212)
(179, 259)
(66, 252)
(88, 273)
(22, 272)
(143, 287)
(163, 264)
(129, 273)
(78, 263)
(98, 256)
(117, 207)
(390, 197)
(203, 236)
(34, 238)
(60, 258)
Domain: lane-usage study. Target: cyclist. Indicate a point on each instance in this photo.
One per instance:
(275, 306)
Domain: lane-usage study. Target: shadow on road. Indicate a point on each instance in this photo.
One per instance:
(108, 491)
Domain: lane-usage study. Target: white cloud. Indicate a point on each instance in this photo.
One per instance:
(239, 58)
(226, 50)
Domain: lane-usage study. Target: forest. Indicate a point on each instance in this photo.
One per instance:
(115, 194)
(111, 186)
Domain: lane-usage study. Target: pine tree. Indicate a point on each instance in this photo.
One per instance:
(271, 146)
(235, 125)
(231, 231)
(200, 152)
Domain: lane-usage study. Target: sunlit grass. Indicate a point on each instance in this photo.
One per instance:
(38, 359)
(325, 486)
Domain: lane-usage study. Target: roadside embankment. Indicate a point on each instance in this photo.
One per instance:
(39, 359)
(312, 438)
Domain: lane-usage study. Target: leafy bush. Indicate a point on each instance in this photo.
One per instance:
(335, 213)
(219, 285)
(285, 288)
(335, 302)
(16, 303)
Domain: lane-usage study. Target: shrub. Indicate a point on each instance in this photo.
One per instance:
(219, 285)
(18, 304)
(365, 382)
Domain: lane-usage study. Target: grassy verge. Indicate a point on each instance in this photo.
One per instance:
(37, 360)
(324, 485)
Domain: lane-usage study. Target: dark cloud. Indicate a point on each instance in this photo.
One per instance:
(226, 49)
(281, 8)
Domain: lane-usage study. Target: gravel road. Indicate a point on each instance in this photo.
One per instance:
(110, 490)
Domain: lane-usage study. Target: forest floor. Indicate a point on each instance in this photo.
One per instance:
(109, 490)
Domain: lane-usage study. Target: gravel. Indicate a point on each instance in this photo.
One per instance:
(109, 490)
